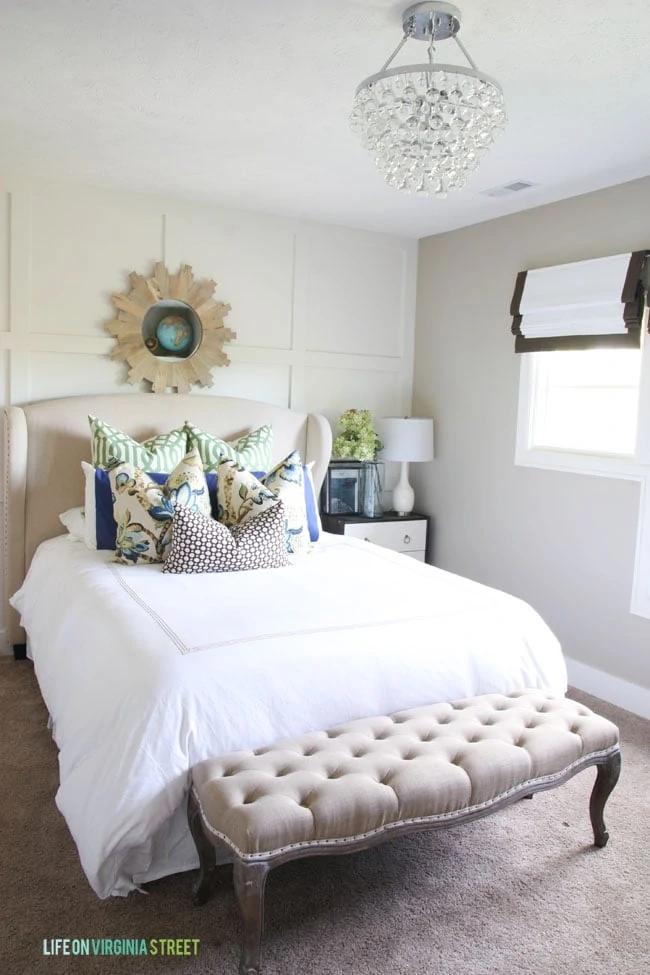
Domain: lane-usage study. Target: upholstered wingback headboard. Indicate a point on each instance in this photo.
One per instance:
(45, 443)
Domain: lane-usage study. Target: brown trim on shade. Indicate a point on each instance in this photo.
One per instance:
(518, 292)
(633, 276)
(633, 298)
(633, 294)
(567, 343)
(515, 304)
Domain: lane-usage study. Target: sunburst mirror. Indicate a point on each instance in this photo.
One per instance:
(170, 330)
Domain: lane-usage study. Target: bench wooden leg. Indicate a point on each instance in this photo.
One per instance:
(250, 880)
(606, 779)
(206, 851)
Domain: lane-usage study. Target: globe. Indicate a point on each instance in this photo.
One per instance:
(174, 333)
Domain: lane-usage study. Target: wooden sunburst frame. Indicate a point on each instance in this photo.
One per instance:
(133, 305)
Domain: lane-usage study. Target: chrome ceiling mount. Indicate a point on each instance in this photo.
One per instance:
(426, 21)
(428, 124)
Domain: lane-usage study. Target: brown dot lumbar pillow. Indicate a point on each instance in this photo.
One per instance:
(201, 544)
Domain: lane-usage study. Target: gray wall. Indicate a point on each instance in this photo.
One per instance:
(563, 542)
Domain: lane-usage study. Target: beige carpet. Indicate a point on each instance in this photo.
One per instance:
(522, 892)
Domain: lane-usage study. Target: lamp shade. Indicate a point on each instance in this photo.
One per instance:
(407, 438)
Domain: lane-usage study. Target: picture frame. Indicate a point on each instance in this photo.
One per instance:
(342, 492)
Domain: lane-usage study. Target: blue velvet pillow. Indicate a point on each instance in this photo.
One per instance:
(104, 522)
(311, 505)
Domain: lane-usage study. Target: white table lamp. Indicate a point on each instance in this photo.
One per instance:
(406, 439)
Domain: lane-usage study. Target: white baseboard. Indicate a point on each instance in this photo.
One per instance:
(620, 692)
(5, 648)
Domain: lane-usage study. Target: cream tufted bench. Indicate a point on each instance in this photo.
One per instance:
(366, 781)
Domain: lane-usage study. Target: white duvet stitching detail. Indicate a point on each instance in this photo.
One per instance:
(173, 636)
(308, 631)
(284, 634)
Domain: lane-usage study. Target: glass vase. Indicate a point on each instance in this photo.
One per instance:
(371, 491)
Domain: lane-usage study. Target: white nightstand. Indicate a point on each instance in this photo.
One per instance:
(407, 534)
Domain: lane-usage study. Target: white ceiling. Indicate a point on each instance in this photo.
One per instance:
(246, 103)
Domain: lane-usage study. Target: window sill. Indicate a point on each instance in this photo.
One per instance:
(574, 462)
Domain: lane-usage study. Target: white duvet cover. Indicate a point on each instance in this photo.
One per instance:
(146, 673)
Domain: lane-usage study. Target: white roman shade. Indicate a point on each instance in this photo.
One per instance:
(586, 304)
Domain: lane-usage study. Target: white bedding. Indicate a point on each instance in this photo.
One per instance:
(145, 674)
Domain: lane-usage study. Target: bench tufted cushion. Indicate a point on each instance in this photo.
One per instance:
(427, 763)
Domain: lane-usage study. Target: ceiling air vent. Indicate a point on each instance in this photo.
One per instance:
(508, 188)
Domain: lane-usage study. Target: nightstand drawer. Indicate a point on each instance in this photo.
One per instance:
(405, 537)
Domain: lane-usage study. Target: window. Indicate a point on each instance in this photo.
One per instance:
(580, 329)
(589, 413)
(584, 393)
(586, 401)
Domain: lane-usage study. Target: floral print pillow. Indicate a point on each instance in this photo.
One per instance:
(287, 483)
(144, 510)
(241, 496)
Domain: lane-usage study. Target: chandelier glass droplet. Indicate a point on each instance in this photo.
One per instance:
(428, 125)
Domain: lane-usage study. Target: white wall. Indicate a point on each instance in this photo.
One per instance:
(324, 315)
(563, 542)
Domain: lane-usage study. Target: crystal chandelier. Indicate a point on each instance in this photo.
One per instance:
(428, 125)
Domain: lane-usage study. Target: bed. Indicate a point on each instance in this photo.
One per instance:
(145, 674)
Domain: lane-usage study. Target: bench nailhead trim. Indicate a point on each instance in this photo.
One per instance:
(521, 788)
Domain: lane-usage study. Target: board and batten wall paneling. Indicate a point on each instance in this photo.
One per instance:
(250, 380)
(5, 203)
(80, 375)
(355, 388)
(349, 313)
(252, 263)
(324, 315)
(82, 250)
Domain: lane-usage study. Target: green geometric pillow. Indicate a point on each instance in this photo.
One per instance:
(252, 452)
(159, 455)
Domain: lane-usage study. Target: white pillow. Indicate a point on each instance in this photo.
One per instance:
(90, 529)
(73, 519)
